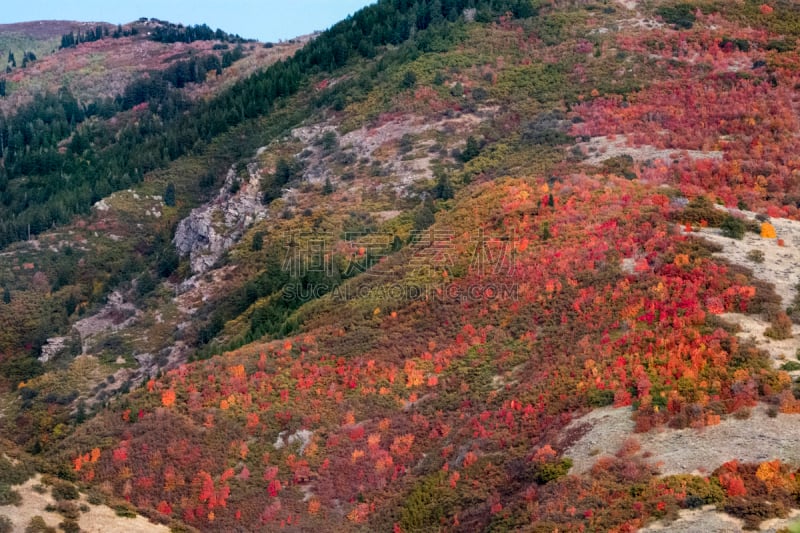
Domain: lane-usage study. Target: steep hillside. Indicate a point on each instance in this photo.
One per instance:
(453, 266)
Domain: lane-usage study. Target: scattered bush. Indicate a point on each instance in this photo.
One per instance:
(9, 496)
(780, 327)
(733, 227)
(70, 526)
(125, 510)
(38, 525)
(700, 210)
(790, 366)
(754, 511)
(65, 491)
(680, 15)
(621, 165)
(15, 474)
(756, 256)
(699, 491)
(68, 510)
(546, 472)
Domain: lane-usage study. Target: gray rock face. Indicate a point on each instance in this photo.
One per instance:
(116, 315)
(211, 229)
(53, 347)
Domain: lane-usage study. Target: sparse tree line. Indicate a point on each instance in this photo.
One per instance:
(11, 64)
(165, 33)
(72, 39)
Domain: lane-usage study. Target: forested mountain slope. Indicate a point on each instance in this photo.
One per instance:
(377, 286)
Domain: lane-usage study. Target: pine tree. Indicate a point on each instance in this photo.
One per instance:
(169, 195)
(471, 150)
(6, 295)
(410, 79)
(258, 242)
(424, 217)
(80, 414)
(328, 187)
(443, 189)
(397, 244)
(545, 233)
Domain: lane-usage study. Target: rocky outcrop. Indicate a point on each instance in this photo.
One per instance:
(53, 347)
(211, 229)
(363, 143)
(116, 315)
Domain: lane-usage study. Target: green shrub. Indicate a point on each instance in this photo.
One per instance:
(70, 526)
(258, 242)
(38, 525)
(426, 505)
(681, 15)
(699, 491)
(733, 227)
(68, 510)
(780, 46)
(125, 511)
(65, 491)
(600, 398)
(14, 474)
(546, 472)
(790, 366)
(739, 44)
(701, 209)
(9, 496)
(621, 165)
(96, 497)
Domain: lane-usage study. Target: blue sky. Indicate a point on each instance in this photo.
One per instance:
(265, 20)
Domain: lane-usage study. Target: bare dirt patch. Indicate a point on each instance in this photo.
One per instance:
(781, 265)
(99, 518)
(756, 439)
(603, 147)
(753, 328)
(380, 142)
(709, 520)
(629, 4)
(114, 316)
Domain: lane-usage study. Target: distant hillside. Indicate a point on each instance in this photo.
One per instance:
(41, 30)
(40, 37)
(105, 81)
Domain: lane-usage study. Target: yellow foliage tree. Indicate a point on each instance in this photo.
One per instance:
(770, 473)
(768, 231)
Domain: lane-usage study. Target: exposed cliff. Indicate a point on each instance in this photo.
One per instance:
(211, 229)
